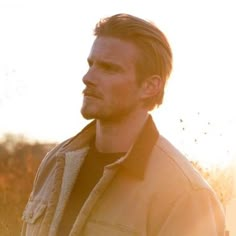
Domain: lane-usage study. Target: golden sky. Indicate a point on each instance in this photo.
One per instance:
(43, 51)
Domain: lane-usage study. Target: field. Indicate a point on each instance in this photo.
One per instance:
(19, 161)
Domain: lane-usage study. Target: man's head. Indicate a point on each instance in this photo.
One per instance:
(155, 58)
(129, 63)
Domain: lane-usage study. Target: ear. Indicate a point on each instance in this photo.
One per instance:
(151, 86)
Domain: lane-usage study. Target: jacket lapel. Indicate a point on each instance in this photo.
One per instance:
(94, 196)
(73, 162)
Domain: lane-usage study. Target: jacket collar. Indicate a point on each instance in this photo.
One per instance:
(136, 158)
(139, 153)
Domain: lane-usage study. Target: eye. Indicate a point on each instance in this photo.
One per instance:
(106, 66)
(109, 67)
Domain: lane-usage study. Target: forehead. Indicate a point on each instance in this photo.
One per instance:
(115, 50)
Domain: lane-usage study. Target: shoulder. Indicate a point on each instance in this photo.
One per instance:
(180, 194)
(175, 166)
(173, 177)
(51, 157)
(51, 165)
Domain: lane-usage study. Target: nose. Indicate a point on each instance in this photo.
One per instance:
(89, 77)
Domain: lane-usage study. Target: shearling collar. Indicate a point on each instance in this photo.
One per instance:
(136, 159)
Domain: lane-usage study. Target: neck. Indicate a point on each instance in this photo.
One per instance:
(119, 135)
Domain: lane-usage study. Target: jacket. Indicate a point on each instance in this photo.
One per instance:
(151, 191)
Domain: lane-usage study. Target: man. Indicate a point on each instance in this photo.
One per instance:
(119, 176)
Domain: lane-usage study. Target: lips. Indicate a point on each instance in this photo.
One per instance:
(88, 92)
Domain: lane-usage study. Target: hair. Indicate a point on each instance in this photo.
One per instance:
(155, 52)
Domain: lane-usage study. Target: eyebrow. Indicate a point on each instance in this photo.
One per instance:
(106, 63)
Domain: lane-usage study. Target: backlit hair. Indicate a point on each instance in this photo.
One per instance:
(155, 52)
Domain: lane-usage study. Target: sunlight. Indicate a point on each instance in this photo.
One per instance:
(43, 59)
(44, 45)
(198, 137)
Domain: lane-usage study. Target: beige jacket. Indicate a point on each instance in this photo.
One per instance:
(151, 191)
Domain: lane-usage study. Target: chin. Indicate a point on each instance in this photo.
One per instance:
(88, 114)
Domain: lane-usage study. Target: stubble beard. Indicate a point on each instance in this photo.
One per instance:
(92, 111)
(86, 113)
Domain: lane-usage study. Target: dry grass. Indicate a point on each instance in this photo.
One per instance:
(19, 161)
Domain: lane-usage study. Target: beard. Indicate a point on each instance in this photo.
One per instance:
(90, 108)
(93, 108)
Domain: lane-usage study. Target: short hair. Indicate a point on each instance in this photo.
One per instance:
(156, 54)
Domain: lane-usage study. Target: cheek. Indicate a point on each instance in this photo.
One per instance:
(125, 94)
(120, 89)
(120, 92)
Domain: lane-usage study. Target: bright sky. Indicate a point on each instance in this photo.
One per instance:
(43, 50)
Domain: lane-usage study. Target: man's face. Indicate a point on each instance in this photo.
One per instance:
(111, 91)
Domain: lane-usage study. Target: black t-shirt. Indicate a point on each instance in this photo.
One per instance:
(89, 174)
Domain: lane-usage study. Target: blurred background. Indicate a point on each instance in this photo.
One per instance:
(43, 50)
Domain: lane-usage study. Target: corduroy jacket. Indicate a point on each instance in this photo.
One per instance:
(151, 191)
